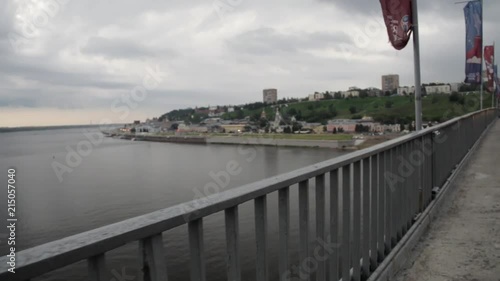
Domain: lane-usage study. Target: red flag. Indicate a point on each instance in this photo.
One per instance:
(489, 54)
(398, 20)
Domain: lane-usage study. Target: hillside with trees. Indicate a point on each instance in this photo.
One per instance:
(386, 109)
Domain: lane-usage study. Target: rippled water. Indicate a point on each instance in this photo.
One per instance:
(119, 179)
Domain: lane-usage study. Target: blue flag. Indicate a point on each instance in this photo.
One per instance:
(474, 42)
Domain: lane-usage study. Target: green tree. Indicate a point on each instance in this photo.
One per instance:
(262, 123)
(296, 126)
(240, 114)
(353, 109)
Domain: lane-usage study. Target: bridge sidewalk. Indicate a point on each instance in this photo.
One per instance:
(464, 242)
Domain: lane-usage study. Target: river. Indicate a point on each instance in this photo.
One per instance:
(60, 194)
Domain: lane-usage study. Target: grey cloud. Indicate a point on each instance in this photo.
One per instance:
(88, 53)
(268, 41)
(122, 48)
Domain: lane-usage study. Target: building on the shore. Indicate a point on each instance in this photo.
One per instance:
(352, 92)
(349, 125)
(270, 95)
(374, 92)
(406, 90)
(316, 96)
(455, 87)
(234, 128)
(145, 128)
(438, 89)
(390, 82)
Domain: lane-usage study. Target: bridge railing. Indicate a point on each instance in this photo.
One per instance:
(374, 196)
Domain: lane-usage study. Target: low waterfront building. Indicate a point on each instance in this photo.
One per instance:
(406, 90)
(350, 93)
(316, 96)
(438, 89)
(349, 125)
(234, 128)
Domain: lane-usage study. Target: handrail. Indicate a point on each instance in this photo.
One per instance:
(53, 255)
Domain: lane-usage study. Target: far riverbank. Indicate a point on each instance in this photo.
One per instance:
(318, 141)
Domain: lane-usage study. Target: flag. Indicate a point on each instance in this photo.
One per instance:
(474, 42)
(489, 54)
(398, 20)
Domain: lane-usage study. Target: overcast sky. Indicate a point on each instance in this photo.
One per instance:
(77, 62)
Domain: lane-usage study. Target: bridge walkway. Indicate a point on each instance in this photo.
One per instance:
(464, 242)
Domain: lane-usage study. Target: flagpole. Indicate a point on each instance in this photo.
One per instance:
(482, 51)
(493, 65)
(416, 62)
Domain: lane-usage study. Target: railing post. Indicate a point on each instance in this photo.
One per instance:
(381, 207)
(356, 187)
(304, 223)
(97, 268)
(232, 244)
(374, 212)
(284, 231)
(334, 224)
(154, 264)
(261, 237)
(367, 232)
(320, 225)
(346, 222)
(196, 245)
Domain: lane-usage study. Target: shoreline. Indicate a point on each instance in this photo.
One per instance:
(343, 145)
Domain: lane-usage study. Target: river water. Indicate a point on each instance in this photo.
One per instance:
(60, 194)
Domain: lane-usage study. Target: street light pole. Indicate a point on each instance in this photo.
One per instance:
(416, 63)
(482, 51)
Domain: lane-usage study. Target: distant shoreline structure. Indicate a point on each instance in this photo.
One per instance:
(242, 140)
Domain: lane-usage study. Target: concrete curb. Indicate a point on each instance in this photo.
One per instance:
(399, 256)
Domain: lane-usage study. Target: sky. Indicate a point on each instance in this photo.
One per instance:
(114, 61)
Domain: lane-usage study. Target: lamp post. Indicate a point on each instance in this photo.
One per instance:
(416, 63)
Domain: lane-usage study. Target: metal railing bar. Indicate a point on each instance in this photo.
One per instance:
(333, 263)
(284, 231)
(196, 246)
(303, 223)
(320, 226)
(356, 220)
(154, 264)
(366, 232)
(232, 244)
(45, 258)
(97, 268)
(345, 258)
(261, 237)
